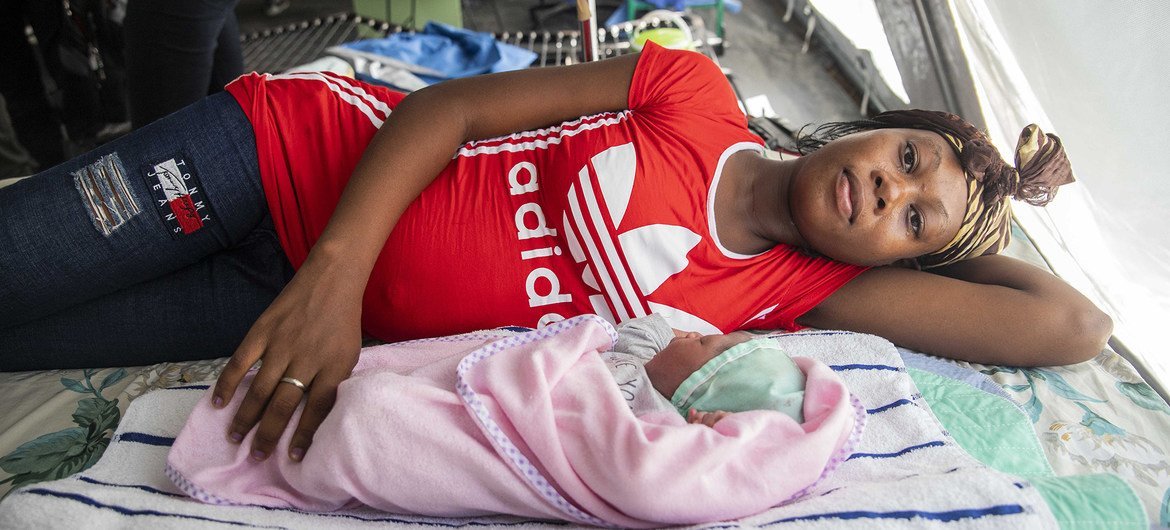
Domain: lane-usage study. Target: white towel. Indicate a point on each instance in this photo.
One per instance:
(906, 471)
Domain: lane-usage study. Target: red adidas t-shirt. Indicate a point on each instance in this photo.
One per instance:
(608, 214)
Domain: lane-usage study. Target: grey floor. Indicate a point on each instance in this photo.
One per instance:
(762, 53)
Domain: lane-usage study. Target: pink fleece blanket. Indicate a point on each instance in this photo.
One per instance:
(530, 425)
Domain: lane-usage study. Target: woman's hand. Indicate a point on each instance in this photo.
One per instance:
(311, 333)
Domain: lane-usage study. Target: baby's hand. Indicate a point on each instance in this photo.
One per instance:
(680, 334)
(705, 417)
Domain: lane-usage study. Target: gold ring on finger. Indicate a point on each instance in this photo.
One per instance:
(294, 382)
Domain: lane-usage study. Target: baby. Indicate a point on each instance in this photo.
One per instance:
(702, 377)
(531, 425)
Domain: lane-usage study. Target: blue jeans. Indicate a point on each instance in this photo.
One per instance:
(155, 247)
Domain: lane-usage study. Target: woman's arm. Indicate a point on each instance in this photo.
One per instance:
(990, 309)
(312, 331)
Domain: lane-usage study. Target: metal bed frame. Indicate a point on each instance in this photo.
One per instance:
(278, 49)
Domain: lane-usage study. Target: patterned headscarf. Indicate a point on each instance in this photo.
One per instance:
(1041, 166)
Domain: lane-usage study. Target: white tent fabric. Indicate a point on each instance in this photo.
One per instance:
(859, 21)
(1095, 74)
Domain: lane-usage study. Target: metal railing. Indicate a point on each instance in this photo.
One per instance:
(284, 47)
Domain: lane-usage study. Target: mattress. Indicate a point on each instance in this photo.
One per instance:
(1093, 417)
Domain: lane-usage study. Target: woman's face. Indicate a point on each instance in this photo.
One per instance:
(875, 197)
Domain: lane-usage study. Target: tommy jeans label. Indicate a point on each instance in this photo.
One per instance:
(178, 195)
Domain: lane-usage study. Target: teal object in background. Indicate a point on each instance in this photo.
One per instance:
(449, 12)
(630, 9)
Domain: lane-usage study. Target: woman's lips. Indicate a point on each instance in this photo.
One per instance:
(846, 195)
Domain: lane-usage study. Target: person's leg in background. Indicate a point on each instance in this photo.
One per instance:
(36, 123)
(71, 53)
(173, 51)
(228, 62)
(14, 158)
(155, 246)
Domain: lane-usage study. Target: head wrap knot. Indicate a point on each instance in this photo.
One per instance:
(1041, 165)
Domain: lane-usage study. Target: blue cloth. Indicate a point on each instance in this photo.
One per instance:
(453, 51)
(96, 270)
(947, 369)
(619, 15)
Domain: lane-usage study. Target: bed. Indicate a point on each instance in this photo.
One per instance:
(1097, 417)
(1096, 424)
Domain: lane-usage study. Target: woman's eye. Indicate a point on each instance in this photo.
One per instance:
(909, 158)
(916, 222)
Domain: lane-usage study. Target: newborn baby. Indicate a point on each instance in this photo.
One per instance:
(702, 377)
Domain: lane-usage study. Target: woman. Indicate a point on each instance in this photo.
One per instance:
(666, 206)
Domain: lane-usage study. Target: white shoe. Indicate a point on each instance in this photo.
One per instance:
(276, 7)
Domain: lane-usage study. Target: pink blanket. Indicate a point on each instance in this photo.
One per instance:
(531, 425)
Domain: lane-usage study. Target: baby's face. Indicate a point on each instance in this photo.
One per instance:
(685, 354)
(690, 348)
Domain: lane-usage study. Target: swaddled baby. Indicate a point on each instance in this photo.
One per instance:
(703, 377)
(530, 425)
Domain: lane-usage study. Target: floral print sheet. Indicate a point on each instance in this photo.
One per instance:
(58, 422)
(1098, 416)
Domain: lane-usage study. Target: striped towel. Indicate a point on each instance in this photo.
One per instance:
(907, 471)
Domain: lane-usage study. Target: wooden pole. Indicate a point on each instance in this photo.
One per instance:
(587, 15)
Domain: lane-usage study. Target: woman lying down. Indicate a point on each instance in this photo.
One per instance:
(534, 425)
